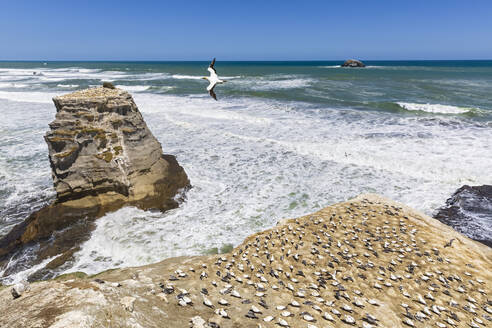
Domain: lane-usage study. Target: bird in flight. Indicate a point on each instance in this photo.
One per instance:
(213, 79)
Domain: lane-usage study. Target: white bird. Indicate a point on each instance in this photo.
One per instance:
(213, 79)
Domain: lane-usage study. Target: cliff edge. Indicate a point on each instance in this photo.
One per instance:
(368, 262)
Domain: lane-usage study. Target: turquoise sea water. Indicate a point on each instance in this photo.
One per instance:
(378, 87)
(284, 139)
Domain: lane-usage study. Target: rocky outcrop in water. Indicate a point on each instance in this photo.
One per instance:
(99, 144)
(368, 262)
(103, 157)
(353, 63)
(469, 211)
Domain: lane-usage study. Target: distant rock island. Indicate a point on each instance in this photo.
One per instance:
(368, 262)
(103, 157)
(353, 63)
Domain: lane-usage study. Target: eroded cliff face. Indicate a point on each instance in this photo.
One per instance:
(99, 143)
(103, 157)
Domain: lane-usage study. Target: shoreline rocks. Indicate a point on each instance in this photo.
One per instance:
(364, 262)
(353, 63)
(103, 157)
(469, 211)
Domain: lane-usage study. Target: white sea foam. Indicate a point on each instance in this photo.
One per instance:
(434, 108)
(283, 84)
(88, 70)
(24, 274)
(272, 83)
(66, 74)
(133, 88)
(25, 178)
(34, 96)
(67, 85)
(13, 85)
(162, 88)
(148, 76)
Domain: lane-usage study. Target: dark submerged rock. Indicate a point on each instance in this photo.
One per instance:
(469, 211)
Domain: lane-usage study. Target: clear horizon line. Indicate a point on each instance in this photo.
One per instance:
(227, 60)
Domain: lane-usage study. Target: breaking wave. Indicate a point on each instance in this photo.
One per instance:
(435, 108)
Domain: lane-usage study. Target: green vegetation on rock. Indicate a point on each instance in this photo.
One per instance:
(66, 153)
(107, 156)
(108, 85)
(91, 130)
(78, 274)
(117, 150)
(59, 139)
(128, 130)
(211, 251)
(226, 248)
(63, 132)
(100, 273)
(116, 123)
(102, 140)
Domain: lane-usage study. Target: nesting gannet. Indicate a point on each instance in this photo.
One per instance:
(213, 79)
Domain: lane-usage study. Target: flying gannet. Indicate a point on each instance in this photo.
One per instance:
(213, 79)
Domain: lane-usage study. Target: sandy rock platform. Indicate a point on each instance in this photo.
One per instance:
(367, 262)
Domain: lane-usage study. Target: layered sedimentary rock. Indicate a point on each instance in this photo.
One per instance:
(353, 63)
(100, 144)
(103, 157)
(368, 262)
(469, 210)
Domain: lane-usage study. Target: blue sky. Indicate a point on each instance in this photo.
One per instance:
(245, 30)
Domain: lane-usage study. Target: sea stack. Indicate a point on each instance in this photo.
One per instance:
(103, 157)
(353, 63)
(99, 146)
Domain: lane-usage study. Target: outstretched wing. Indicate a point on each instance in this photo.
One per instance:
(211, 85)
(212, 93)
(211, 69)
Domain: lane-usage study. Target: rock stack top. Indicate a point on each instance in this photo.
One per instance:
(93, 92)
(368, 262)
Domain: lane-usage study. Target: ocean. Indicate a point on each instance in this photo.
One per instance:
(284, 139)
